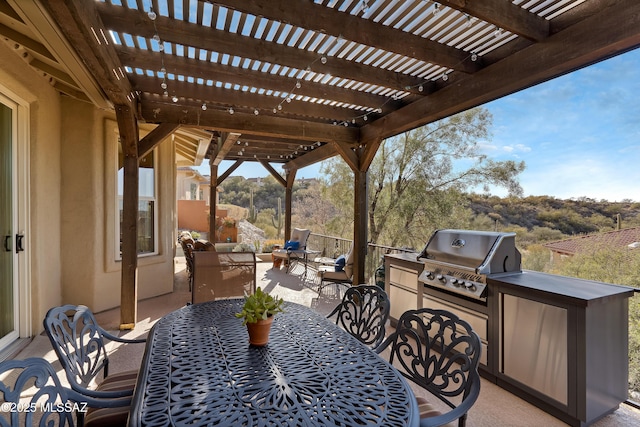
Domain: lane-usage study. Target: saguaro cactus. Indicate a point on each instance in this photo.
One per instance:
(276, 219)
(253, 214)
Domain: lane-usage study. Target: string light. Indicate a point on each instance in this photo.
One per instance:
(323, 59)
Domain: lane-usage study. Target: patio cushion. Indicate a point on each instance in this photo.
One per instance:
(300, 235)
(427, 410)
(328, 273)
(348, 265)
(340, 262)
(125, 380)
(107, 417)
(292, 244)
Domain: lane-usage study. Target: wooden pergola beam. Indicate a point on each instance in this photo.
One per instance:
(229, 171)
(154, 137)
(213, 40)
(229, 140)
(223, 97)
(316, 155)
(145, 60)
(505, 15)
(83, 28)
(274, 173)
(601, 35)
(264, 125)
(353, 28)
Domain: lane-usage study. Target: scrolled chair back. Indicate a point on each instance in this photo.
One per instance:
(31, 394)
(439, 352)
(77, 339)
(363, 313)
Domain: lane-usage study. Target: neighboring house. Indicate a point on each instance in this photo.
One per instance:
(191, 185)
(193, 191)
(628, 237)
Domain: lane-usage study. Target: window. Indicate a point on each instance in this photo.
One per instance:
(147, 218)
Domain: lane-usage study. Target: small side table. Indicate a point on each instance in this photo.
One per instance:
(277, 262)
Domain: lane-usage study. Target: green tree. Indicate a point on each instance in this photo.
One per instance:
(236, 191)
(417, 179)
(314, 210)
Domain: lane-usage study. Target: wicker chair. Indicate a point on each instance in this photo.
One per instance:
(187, 243)
(439, 352)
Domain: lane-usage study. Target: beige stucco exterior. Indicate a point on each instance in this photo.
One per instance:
(68, 172)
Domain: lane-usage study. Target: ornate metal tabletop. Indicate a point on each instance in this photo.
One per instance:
(199, 369)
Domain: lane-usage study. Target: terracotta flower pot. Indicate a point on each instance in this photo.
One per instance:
(259, 331)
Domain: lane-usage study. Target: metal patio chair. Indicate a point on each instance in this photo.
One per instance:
(35, 396)
(439, 352)
(363, 313)
(291, 253)
(329, 275)
(79, 343)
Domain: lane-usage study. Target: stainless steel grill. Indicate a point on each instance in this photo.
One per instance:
(460, 261)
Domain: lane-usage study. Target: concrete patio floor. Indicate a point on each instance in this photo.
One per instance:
(495, 406)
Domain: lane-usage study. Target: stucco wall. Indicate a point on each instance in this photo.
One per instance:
(193, 215)
(43, 275)
(91, 270)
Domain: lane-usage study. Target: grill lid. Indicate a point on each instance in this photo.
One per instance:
(485, 252)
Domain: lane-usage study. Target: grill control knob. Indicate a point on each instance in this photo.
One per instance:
(441, 278)
(456, 282)
(429, 274)
(470, 286)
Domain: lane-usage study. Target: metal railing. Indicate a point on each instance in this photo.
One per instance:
(329, 246)
(375, 257)
(332, 247)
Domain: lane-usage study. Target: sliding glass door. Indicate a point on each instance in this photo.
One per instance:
(8, 261)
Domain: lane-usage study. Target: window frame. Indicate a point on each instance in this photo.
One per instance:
(119, 200)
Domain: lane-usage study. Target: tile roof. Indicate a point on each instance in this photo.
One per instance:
(629, 237)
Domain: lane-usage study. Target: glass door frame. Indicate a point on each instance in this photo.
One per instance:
(21, 218)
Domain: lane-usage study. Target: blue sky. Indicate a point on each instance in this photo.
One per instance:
(579, 134)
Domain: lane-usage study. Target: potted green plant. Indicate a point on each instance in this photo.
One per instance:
(257, 314)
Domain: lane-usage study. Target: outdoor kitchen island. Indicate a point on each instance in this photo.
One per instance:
(558, 342)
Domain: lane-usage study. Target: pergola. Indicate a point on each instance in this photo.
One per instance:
(293, 82)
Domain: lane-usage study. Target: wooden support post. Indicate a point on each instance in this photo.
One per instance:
(128, 129)
(213, 190)
(360, 230)
(288, 202)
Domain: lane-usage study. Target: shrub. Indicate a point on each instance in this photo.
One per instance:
(267, 245)
(243, 247)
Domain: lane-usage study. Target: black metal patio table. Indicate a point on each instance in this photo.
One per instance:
(199, 369)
